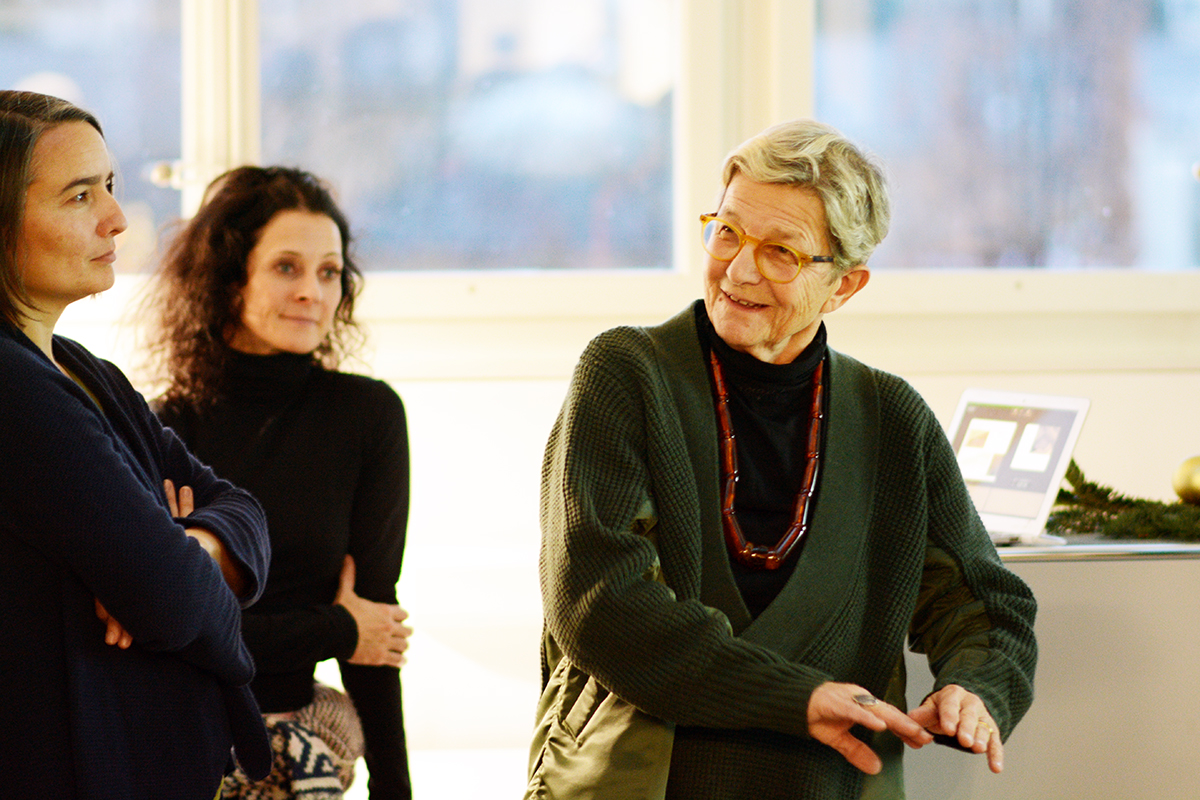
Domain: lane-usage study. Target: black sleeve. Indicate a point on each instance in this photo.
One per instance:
(377, 534)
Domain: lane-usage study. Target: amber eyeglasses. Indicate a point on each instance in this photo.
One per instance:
(775, 261)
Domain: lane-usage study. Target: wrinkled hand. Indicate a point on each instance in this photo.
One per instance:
(114, 634)
(382, 634)
(832, 712)
(953, 711)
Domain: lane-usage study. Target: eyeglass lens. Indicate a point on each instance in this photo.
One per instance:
(775, 261)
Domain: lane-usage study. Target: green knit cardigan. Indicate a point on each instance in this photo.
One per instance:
(896, 549)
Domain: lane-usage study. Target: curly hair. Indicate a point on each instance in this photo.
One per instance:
(195, 300)
(851, 186)
(24, 117)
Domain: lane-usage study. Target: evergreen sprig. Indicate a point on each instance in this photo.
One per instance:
(1090, 508)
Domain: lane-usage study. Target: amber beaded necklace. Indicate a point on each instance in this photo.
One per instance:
(748, 553)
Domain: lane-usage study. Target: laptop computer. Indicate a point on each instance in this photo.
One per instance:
(1013, 450)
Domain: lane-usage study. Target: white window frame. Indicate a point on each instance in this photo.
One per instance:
(221, 92)
(744, 64)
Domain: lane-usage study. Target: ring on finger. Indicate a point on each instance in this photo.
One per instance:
(865, 700)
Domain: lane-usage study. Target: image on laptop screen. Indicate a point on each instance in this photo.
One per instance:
(1013, 450)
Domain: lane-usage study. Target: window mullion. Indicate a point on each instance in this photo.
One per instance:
(220, 84)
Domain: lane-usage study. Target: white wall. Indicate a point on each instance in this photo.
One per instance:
(1113, 633)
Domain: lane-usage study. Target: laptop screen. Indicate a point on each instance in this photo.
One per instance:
(1013, 450)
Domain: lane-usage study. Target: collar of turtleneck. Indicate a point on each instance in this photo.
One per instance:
(266, 379)
(743, 368)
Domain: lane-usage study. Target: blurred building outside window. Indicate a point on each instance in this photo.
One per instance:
(481, 134)
(1038, 133)
(119, 59)
(532, 135)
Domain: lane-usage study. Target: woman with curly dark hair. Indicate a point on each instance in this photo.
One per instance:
(254, 307)
(199, 300)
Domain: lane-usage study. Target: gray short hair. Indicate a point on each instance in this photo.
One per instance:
(849, 182)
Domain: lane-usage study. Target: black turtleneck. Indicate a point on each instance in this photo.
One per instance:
(326, 453)
(769, 405)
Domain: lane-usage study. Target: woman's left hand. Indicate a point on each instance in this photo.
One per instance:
(382, 634)
(953, 711)
(182, 503)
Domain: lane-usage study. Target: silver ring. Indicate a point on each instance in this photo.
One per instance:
(865, 700)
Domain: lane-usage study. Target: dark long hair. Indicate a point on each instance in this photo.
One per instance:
(24, 117)
(195, 301)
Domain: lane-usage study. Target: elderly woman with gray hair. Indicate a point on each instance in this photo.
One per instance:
(742, 527)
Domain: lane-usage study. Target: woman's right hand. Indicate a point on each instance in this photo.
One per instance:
(835, 708)
(114, 633)
(181, 504)
(382, 634)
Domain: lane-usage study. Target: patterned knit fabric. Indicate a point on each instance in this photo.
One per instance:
(896, 550)
(315, 751)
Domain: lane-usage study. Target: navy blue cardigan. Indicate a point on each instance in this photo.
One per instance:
(83, 517)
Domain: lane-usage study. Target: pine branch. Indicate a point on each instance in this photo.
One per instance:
(1090, 508)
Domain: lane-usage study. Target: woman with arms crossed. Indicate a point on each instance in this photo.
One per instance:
(124, 672)
(255, 309)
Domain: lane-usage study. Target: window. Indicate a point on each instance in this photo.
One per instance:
(741, 65)
(1038, 133)
(119, 59)
(480, 134)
